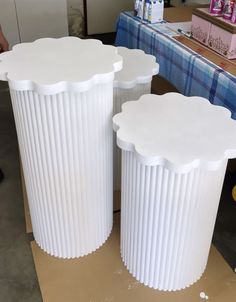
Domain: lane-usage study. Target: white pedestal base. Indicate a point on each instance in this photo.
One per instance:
(167, 222)
(121, 96)
(66, 150)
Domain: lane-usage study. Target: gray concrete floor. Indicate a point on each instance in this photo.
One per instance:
(18, 280)
(224, 237)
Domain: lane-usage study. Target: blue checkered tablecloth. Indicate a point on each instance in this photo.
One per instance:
(188, 71)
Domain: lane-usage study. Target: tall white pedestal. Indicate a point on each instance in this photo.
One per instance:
(174, 156)
(62, 100)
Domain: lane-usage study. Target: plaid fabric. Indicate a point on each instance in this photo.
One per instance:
(188, 71)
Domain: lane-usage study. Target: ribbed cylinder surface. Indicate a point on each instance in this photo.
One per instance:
(66, 149)
(121, 96)
(167, 222)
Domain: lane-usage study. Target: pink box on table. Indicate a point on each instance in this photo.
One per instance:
(215, 32)
(200, 29)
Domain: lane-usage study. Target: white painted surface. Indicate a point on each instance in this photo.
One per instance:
(65, 141)
(177, 132)
(8, 21)
(68, 175)
(41, 19)
(174, 157)
(28, 20)
(138, 68)
(24, 66)
(120, 96)
(167, 222)
(103, 14)
(130, 83)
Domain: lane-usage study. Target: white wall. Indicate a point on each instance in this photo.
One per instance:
(8, 21)
(39, 19)
(75, 11)
(28, 20)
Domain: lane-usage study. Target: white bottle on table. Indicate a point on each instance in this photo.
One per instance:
(141, 9)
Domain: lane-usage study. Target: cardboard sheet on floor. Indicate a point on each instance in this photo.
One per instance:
(102, 277)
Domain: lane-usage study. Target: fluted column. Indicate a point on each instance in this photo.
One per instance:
(130, 83)
(65, 142)
(174, 155)
(167, 222)
(121, 96)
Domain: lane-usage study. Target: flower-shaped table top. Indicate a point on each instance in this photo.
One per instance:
(51, 66)
(175, 131)
(138, 68)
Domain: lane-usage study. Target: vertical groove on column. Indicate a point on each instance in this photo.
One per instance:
(38, 163)
(120, 97)
(190, 203)
(165, 230)
(22, 136)
(144, 240)
(66, 148)
(150, 223)
(179, 235)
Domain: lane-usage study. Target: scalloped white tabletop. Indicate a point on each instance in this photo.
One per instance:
(51, 66)
(138, 68)
(178, 132)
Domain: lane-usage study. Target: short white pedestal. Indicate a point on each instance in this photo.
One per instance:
(62, 96)
(133, 81)
(174, 156)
